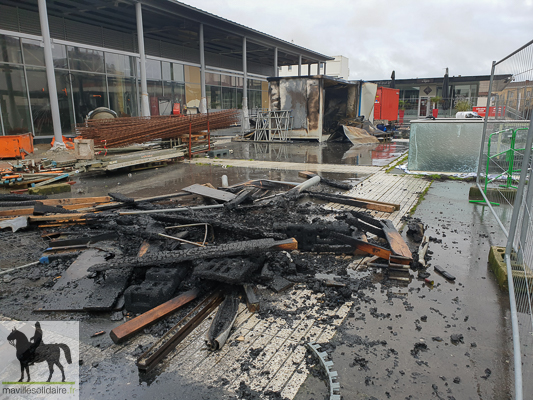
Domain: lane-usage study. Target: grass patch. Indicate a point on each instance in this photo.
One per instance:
(420, 199)
(400, 161)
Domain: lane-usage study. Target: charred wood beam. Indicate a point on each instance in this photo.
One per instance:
(170, 259)
(178, 333)
(396, 242)
(130, 328)
(365, 227)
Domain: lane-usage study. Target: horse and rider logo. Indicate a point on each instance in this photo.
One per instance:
(34, 350)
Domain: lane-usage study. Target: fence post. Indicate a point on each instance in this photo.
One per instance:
(484, 135)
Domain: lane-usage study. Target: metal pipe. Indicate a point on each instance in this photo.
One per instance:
(276, 70)
(180, 209)
(484, 135)
(145, 104)
(180, 240)
(299, 65)
(203, 101)
(517, 355)
(16, 268)
(315, 180)
(50, 76)
(309, 69)
(245, 116)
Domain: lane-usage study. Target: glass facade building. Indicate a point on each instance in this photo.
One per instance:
(88, 77)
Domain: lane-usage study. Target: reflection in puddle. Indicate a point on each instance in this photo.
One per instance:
(319, 153)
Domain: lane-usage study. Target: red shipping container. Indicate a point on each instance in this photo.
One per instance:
(386, 104)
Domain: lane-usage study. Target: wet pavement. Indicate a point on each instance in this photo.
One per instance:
(388, 346)
(175, 176)
(380, 350)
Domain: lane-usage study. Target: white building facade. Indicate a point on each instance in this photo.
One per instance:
(337, 68)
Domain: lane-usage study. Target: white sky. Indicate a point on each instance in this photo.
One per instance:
(415, 38)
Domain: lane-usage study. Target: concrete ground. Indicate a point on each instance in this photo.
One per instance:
(394, 344)
(375, 351)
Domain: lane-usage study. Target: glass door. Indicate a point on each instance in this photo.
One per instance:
(423, 108)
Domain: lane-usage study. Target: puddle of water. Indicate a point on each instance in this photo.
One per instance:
(174, 177)
(318, 153)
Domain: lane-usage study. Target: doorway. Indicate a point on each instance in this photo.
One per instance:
(423, 108)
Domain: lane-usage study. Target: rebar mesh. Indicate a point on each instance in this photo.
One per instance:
(125, 131)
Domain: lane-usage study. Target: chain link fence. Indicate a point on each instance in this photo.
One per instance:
(504, 178)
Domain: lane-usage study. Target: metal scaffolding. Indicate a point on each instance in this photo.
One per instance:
(273, 125)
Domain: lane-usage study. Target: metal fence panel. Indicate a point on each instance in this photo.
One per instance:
(504, 177)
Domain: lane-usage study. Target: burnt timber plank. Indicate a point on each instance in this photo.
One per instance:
(170, 259)
(131, 327)
(208, 192)
(396, 242)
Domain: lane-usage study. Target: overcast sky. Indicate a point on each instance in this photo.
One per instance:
(415, 38)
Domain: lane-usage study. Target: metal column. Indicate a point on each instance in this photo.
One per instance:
(299, 65)
(50, 76)
(245, 115)
(276, 69)
(145, 104)
(325, 63)
(203, 101)
(309, 68)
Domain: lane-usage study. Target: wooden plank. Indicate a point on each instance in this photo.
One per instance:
(131, 327)
(56, 217)
(208, 192)
(395, 240)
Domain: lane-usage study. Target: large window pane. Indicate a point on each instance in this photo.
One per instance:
(212, 79)
(237, 81)
(89, 92)
(122, 96)
(173, 93)
(14, 100)
(85, 59)
(10, 49)
(225, 80)
(179, 74)
(40, 101)
(118, 64)
(167, 70)
(239, 98)
(213, 97)
(59, 54)
(64, 97)
(33, 52)
(153, 69)
(229, 98)
(155, 92)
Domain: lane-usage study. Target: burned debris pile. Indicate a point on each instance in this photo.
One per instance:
(207, 247)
